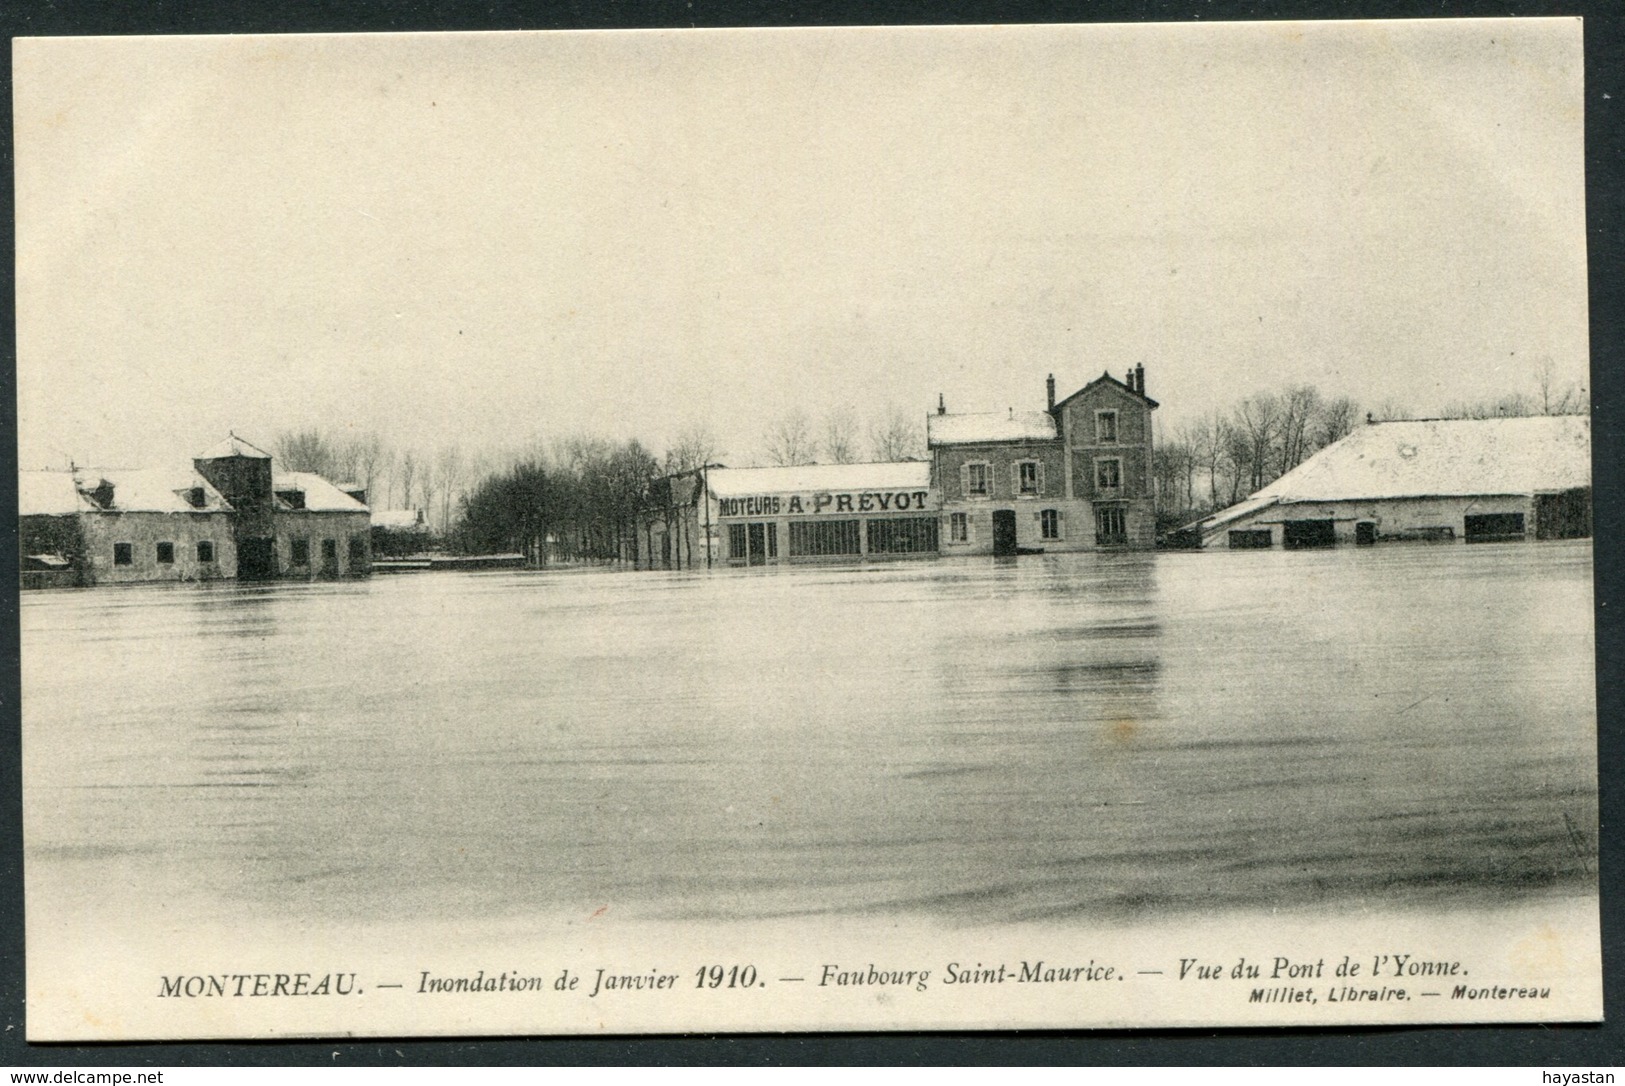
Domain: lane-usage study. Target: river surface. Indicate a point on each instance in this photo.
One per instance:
(1046, 738)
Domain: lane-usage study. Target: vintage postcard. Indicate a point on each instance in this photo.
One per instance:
(820, 529)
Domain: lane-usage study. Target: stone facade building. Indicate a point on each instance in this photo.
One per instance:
(1076, 476)
(229, 517)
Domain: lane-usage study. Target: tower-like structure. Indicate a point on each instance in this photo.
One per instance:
(242, 474)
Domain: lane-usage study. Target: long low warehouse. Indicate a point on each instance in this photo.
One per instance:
(766, 515)
(1474, 480)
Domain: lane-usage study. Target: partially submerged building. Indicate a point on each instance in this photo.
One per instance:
(1075, 476)
(1474, 480)
(229, 516)
(822, 511)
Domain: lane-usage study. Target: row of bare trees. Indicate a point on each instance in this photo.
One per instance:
(433, 480)
(582, 499)
(841, 437)
(1225, 454)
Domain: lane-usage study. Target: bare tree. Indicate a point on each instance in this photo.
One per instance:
(305, 450)
(896, 436)
(840, 436)
(428, 486)
(789, 441)
(695, 447)
(450, 466)
(1336, 420)
(1258, 421)
(406, 474)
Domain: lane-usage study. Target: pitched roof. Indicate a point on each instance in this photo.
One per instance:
(402, 520)
(1107, 378)
(235, 446)
(152, 490)
(743, 482)
(321, 496)
(49, 494)
(1435, 458)
(979, 429)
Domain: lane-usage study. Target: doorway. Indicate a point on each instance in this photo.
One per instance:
(1302, 534)
(1004, 532)
(256, 559)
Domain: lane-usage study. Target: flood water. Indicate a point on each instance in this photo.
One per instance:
(981, 741)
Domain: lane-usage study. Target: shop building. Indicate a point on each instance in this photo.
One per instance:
(1472, 480)
(764, 516)
(1076, 476)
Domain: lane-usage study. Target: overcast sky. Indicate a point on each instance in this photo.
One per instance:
(485, 238)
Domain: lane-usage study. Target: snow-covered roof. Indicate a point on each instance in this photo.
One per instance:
(321, 496)
(994, 426)
(152, 490)
(49, 494)
(235, 446)
(743, 482)
(402, 520)
(1435, 458)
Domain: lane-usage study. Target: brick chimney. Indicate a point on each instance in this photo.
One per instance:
(1139, 378)
(942, 405)
(1049, 386)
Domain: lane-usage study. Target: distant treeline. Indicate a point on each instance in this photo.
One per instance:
(583, 498)
(584, 504)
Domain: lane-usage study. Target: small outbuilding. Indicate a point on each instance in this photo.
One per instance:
(1473, 480)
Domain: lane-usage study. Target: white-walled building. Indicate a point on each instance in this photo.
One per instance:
(1475, 480)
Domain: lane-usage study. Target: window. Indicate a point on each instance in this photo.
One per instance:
(123, 554)
(358, 552)
(976, 480)
(903, 535)
(196, 498)
(1106, 427)
(166, 554)
(958, 528)
(736, 542)
(1050, 523)
(772, 539)
(330, 550)
(1111, 526)
(294, 498)
(1027, 477)
(205, 551)
(1108, 474)
(815, 538)
(301, 552)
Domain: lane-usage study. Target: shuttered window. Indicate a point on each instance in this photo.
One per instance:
(1027, 478)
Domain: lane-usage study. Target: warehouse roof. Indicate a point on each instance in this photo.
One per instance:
(743, 482)
(1436, 458)
(992, 427)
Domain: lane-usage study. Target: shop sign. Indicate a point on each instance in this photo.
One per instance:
(826, 501)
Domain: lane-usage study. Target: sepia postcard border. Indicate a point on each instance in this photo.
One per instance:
(1605, 39)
